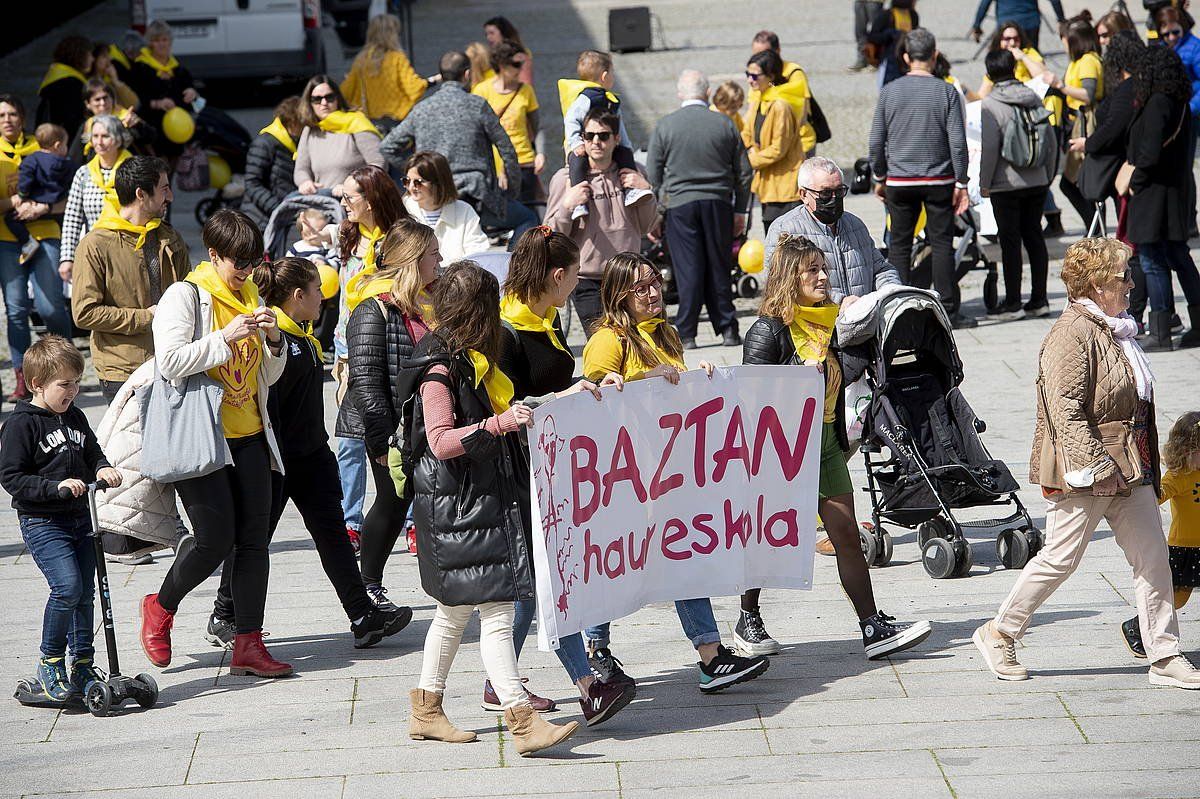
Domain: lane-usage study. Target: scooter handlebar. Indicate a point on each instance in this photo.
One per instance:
(99, 485)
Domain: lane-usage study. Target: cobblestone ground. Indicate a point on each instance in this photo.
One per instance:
(822, 722)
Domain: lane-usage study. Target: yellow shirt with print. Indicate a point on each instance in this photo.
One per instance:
(1183, 491)
(240, 414)
(514, 117)
(606, 352)
(40, 229)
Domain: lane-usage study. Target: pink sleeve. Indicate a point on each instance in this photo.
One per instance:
(445, 440)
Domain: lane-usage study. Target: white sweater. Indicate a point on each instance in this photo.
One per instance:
(458, 231)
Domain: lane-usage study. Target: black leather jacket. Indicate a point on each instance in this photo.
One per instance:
(269, 168)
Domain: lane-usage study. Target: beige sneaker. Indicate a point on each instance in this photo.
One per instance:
(999, 653)
(1177, 673)
(825, 546)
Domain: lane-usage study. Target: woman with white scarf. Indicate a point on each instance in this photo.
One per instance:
(1095, 455)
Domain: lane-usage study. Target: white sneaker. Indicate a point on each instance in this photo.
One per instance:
(1177, 673)
(1000, 654)
(633, 195)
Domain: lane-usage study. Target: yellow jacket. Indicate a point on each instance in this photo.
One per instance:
(390, 91)
(776, 159)
(795, 89)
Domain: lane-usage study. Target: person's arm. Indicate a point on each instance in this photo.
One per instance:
(760, 346)
(88, 297)
(885, 273)
(573, 121)
(178, 352)
(656, 157)
(603, 353)
(257, 179)
(644, 211)
(989, 147)
(498, 136)
(367, 143)
(877, 142)
(743, 175)
(558, 215)
(1171, 486)
(302, 173)
(445, 438)
(1146, 140)
(474, 239)
(778, 130)
(18, 469)
(412, 84)
(398, 142)
(956, 131)
(537, 136)
(1112, 130)
(74, 221)
(366, 339)
(351, 87)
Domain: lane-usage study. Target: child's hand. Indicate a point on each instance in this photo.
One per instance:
(109, 475)
(579, 150)
(77, 487)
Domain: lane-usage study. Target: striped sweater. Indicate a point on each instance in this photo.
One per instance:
(918, 137)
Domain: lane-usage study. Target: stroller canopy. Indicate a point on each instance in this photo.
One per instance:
(904, 321)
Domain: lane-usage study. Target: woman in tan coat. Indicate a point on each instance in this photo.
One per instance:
(1095, 456)
(772, 139)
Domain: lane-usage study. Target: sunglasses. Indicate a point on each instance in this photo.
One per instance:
(753, 75)
(517, 64)
(246, 266)
(597, 135)
(1124, 277)
(829, 194)
(1173, 33)
(642, 290)
(419, 183)
(322, 99)
(1010, 38)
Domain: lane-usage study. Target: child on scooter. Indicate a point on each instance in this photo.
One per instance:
(48, 447)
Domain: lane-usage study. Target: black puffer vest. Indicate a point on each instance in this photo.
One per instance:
(472, 512)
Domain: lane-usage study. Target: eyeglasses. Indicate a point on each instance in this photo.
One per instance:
(1124, 277)
(642, 290)
(1173, 33)
(323, 99)
(753, 75)
(829, 194)
(419, 183)
(597, 135)
(517, 64)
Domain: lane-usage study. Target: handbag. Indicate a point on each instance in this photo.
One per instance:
(182, 435)
(820, 124)
(1125, 173)
(1081, 128)
(191, 170)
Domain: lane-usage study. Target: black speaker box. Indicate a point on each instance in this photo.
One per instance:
(629, 29)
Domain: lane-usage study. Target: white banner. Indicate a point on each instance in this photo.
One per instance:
(665, 492)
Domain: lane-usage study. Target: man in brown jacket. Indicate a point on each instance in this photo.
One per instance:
(122, 268)
(610, 226)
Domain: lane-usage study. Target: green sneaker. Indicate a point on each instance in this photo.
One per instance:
(52, 676)
(83, 671)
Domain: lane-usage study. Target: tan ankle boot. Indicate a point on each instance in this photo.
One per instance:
(429, 721)
(532, 733)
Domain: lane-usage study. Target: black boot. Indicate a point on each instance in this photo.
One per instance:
(1159, 339)
(1192, 337)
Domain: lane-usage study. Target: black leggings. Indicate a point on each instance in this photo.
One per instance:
(311, 483)
(382, 525)
(1019, 221)
(230, 511)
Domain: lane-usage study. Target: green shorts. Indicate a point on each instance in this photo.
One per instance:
(835, 477)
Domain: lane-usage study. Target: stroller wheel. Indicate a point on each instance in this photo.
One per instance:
(934, 528)
(884, 556)
(938, 558)
(206, 208)
(747, 287)
(1035, 538)
(870, 548)
(965, 560)
(1012, 547)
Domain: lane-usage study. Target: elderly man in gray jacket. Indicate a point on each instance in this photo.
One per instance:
(855, 266)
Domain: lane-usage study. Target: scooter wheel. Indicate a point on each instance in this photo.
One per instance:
(884, 556)
(938, 558)
(98, 698)
(147, 694)
(870, 547)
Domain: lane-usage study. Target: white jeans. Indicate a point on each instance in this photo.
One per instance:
(1137, 527)
(495, 647)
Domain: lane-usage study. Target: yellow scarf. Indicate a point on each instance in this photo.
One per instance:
(111, 219)
(811, 329)
(23, 147)
(108, 186)
(281, 135)
(519, 315)
(205, 276)
(289, 325)
(348, 122)
(499, 388)
(364, 286)
(118, 56)
(168, 69)
(372, 238)
(646, 331)
(58, 71)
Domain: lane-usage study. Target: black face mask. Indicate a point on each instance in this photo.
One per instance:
(829, 211)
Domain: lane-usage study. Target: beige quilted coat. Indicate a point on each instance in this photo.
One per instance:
(1087, 382)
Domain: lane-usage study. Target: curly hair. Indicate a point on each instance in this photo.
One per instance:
(1123, 54)
(792, 258)
(1089, 263)
(1159, 71)
(1182, 442)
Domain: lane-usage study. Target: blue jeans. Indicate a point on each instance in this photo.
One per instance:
(62, 548)
(517, 218)
(352, 469)
(696, 616)
(1159, 259)
(570, 650)
(42, 271)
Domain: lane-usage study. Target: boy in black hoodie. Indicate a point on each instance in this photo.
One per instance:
(48, 447)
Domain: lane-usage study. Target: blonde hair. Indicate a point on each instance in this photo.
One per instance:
(592, 64)
(49, 357)
(316, 218)
(793, 255)
(1182, 442)
(729, 97)
(403, 245)
(383, 37)
(620, 274)
(1090, 263)
(480, 57)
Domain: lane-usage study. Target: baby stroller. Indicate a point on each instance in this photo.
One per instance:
(968, 256)
(280, 232)
(935, 463)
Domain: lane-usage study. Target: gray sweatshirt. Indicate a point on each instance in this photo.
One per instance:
(996, 114)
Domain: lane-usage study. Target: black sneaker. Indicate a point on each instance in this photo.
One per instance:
(728, 669)
(730, 338)
(750, 636)
(379, 624)
(378, 595)
(882, 636)
(959, 321)
(220, 633)
(605, 700)
(1036, 309)
(1131, 631)
(83, 672)
(689, 344)
(1009, 311)
(607, 668)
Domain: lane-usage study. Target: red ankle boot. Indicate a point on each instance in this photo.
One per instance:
(156, 631)
(251, 657)
(21, 392)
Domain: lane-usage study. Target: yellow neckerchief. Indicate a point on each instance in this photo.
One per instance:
(372, 237)
(23, 147)
(348, 122)
(58, 71)
(205, 276)
(794, 94)
(289, 325)
(107, 186)
(646, 331)
(281, 135)
(521, 317)
(364, 286)
(168, 69)
(499, 388)
(811, 329)
(118, 55)
(111, 219)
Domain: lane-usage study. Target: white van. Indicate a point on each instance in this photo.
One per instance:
(241, 38)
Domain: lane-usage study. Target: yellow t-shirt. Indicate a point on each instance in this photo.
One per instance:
(1183, 490)
(514, 115)
(240, 415)
(1086, 66)
(605, 352)
(902, 19)
(40, 229)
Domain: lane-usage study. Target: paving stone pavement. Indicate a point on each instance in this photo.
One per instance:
(823, 721)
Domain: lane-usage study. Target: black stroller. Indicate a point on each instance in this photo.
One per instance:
(921, 444)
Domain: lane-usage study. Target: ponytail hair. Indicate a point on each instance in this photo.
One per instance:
(539, 252)
(276, 280)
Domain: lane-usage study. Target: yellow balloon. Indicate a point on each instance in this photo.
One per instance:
(750, 257)
(219, 172)
(329, 280)
(178, 125)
